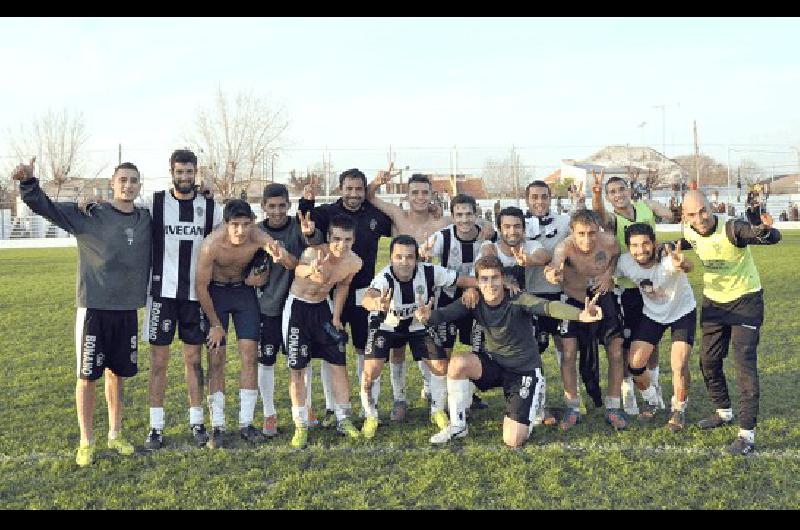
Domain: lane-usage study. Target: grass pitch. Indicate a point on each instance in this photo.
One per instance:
(588, 467)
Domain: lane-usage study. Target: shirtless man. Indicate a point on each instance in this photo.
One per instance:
(312, 330)
(418, 222)
(583, 265)
(223, 258)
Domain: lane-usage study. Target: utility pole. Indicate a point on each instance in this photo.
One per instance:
(663, 108)
(696, 158)
(119, 155)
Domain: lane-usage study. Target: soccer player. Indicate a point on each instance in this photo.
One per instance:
(583, 264)
(626, 212)
(668, 303)
(222, 292)
(370, 225)
(292, 233)
(511, 358)
(113, 266)
(182, 217)
(732, 310)
(393, 296)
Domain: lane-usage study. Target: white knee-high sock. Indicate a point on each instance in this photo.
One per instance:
(308, 376)
(397, 371)
(247, 406)
(359, 367)
(327, 385)
(196, 416)
(426, 376)
(216, 405)
(458, 396)
(438, 391)
(376, 390)
(266, 385)
(367, 403)
(157, 418)
(300, 416)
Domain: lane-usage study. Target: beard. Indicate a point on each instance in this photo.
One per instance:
(182, 186)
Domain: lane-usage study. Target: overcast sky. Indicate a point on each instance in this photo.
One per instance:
(555, 88)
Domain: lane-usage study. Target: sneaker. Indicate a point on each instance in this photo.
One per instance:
(369, 428)
(85, 455)
(478, 403)
(449, 433)
(648, 411)
(329, 420)
(270, 426)
(548, 418)
(346, 428)
(617, 418)
(440, 419)
(121, 445)
(154, 440)
(713, 421)
(199, 434)
(629, 398)
(252, 435)
(313, 422)
(677, 421)
(740, 446)
(399, 410)
(300, 438)
(571, 418)
(217, 439)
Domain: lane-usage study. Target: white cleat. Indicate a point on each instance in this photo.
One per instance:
(449, 433)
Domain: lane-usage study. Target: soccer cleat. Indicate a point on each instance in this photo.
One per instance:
(449, 433)
(85, 455)
(478, 403)
(440, 419)
(270, 426)
(648, 411)
(548, 418)
(300, 438)
(677, 421)
(346, 428)
(369, 428)
(121, 445)
(252, 435)
(617, 418)
(217, 439)
(571, 418)
(740, 446)
(329, 420)
(154, 440)
(399, 410)
(199, 434)
(713, 421)
(313, 422)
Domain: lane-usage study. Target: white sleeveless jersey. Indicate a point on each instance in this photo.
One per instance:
(426, 279)
(549, 230)
(455, 254)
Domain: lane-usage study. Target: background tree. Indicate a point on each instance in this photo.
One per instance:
(499, 176)
(235, 139)
(297, 182)
(58, 141)
(712, 172)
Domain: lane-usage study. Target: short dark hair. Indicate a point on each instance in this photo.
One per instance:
(353, 173)
(342, 222)
(420, 177)
(237, 208)
(615, 179)
(182, 156)
(488, 262)
(639, 229)
(127, 165)
(511, 211)
(583, 216)
(275, 190)
(537, 184)
(404, 239)
(464, 199)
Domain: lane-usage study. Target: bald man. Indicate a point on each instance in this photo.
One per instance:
(733, 307)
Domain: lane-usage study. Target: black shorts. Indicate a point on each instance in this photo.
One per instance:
(304, 335)
(632, 309)
(106, 339)
(446, 332)
(650, 331)
(165, 314)
(521, 390)
(421, 343)
(239, 301)
(271, 339)
(358, 318)
(544, 325)
(606, 330)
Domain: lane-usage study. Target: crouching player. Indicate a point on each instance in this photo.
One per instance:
(511, 355)
(668, 303)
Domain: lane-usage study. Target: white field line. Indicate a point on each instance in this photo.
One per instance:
(458, 447)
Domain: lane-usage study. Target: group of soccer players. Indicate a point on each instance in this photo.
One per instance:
(296, 284)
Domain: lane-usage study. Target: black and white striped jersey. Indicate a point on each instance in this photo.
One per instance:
(455, 253)
(179, 227)
(426, 279)
(549, 230)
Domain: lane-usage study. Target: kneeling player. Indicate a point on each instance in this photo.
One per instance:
(393, 296)
(668, 303)
(511, 358)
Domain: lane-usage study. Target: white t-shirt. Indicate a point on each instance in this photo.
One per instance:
(666, 292)
(529, 246)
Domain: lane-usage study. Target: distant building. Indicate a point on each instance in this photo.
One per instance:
(73, 188)
(443, 183)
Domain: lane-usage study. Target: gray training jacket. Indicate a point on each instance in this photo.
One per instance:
(113, 249)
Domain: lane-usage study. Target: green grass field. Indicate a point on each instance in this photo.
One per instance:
(588, 467)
